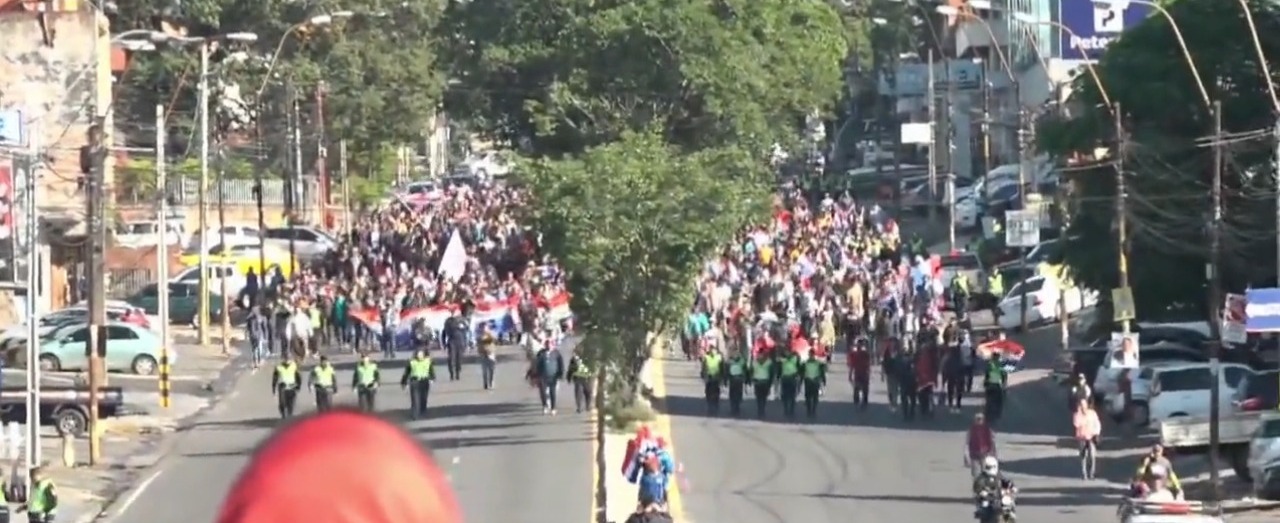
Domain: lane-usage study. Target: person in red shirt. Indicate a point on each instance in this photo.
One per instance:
(926, 380)
(304, 473)
(859, 359)
(979, 443)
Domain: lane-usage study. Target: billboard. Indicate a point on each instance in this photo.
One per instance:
(1262, 310)
(1095, 26)
(910, 79)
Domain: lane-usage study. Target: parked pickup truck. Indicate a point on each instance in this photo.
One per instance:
(66, 407)
(1190, 436)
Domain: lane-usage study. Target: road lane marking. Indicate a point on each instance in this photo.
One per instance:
(137, 493)
(675, 505)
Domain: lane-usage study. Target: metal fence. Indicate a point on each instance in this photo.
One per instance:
(123, 283)
(306, 193)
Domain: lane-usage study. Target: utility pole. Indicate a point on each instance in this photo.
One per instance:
(97, 278)
(294, 193)
(203, 111)
(32, 437)
(260, 298)
(322, 167)
(1215, 302)
(222, 238)
(1122, 214)
(162, 257)
(986, 128)
(1024, 149)
(346, 187)
(934, 136)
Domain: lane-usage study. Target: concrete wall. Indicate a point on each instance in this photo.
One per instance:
(57, 88)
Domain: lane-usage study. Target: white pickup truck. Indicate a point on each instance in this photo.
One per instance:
(1190, 436)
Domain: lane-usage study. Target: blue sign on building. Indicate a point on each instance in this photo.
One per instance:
(10, 127)
(1096, 25)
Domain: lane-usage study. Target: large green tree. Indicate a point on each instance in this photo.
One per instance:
(633, 221)
(378, 69)
(1167, 165)
(561, 76)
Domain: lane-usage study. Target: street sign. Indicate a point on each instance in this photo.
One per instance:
(1122, 304)
(1021, 228)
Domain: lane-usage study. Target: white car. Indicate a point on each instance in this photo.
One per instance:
(966, 212)
(234, 234)
(147, 234)
(1264, 450)
(1043, 302)
(1169, 390)
(217, 273)
(1106, 382)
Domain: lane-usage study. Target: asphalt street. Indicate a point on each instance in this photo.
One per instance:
(505, 459)
(874, 464)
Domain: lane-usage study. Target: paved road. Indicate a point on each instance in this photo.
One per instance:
(874, 464)
(496, 447)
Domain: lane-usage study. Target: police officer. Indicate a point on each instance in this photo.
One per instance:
(325, 383)
(419, 372)
(907, 392)
(284, 384)
(736, 368)
(713, 377)
(365, 382)
(993, 383)
(456, 336)
(789, 377)
(42, 502)
(581, 374)
(762, 375)
(815, 378)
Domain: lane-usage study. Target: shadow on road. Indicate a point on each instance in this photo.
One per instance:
(220, 454)
(833, 413)
(1067, 466)
(240, 424)
(498, 441)
(468, 427)
(457, 410)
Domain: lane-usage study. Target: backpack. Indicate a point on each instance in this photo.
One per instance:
(548, 365)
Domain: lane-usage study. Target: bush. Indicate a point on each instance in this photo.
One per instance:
(624, 416)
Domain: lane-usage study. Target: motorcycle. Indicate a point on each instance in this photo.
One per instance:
(997, 509)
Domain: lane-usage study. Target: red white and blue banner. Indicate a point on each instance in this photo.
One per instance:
(1262, 310)
(500, 315)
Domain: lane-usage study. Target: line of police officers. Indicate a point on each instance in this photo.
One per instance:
(286, 381)
(786, 369)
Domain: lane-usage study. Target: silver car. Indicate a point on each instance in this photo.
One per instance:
(308, 242)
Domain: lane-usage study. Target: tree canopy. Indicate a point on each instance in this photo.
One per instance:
(377, 66)
(1168, 162)
(649, 124)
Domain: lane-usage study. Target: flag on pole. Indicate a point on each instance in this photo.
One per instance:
(454, 262)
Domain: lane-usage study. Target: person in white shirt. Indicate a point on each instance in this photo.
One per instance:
(299, 331)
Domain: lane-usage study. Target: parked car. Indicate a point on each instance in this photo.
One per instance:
(245, 257)
(116, 311)
(1106, 380)
(184, 302)
(1264, 457)
(66, 407)
(217, 273)
(307, 242)
(147, 233)
(1048, 251)
(129, 348)
(1178, 389)
(213, 236)
(1044, 302)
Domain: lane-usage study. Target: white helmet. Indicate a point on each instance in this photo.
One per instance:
(990, 465)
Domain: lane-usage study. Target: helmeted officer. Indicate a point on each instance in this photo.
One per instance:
(583, 386)
(736, 369)
(42, 502)
(324, 380)
(284, 385)
(365, 381)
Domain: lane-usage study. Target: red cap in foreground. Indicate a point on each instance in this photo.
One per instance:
(341, 467)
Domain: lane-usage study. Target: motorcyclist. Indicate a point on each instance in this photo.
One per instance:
(1157, 487)
(989, 483)
(1155, 467)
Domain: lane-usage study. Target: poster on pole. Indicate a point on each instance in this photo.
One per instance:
(1235, 318)
(1124, 350)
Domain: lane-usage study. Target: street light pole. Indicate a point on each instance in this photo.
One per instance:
(162, 257)
(203, 111)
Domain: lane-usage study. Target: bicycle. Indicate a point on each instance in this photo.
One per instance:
(1089, 458)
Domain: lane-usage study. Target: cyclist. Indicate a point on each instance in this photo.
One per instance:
(1088, 428)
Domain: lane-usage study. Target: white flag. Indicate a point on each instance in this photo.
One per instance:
(454, 262)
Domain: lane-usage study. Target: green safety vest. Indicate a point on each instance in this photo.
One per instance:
(712, 363)
(420, 369)
(323, 376)
(994, 373)
(790, 366)
(812, 370)
(582, 371)
(288, 374)
(994, 285)
(367, 373)
(40, 502)
(315, 318)
(737, 368)
(761, 371)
